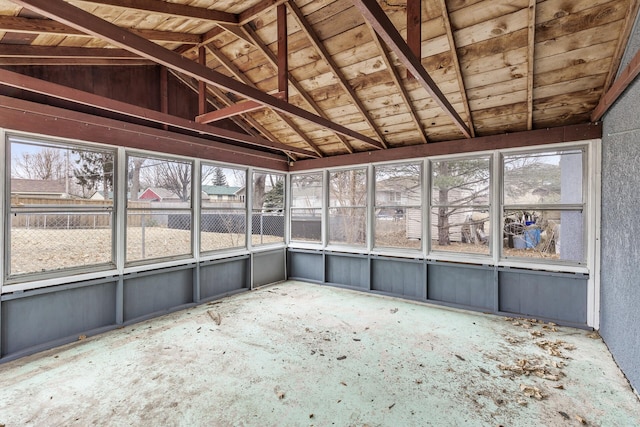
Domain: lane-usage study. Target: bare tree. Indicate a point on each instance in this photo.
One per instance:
(46, 164)
(176, 177)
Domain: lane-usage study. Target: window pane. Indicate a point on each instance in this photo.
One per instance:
(268, 192)
(223, 187)
(48, 171)
(306, 224)
(399, 185)
(165, 183)
(222, 229)
(306, 190)
(49, 241)
(348, 226)
(157, 234)
(348, 188)
(464, 229)
(547, 234)
(267, 227)
(398, 227)
(543, 178)
(460, 182)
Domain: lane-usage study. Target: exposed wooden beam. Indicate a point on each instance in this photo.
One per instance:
(456, 64)
(255, 40)
(16, 51)
(531, 34)
(202, 85)
(398, 82)
(26, 60)
(231, 67)
(230, 111)
(20, 81)
(84, 21)
(260, 8)
(626, 77)
(18, 24)
(414, 28)
(174, 9)
(324, 53)
(25, 116)
(469, 145)
(164, 93)
(236, 31)
(283, 52)
(623, 38)
(373, 13)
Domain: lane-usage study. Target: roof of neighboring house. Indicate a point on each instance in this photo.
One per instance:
(19, 185)
(221, 190)
(156, 193)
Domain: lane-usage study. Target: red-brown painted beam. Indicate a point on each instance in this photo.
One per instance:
(202, 86)
(381, 23)
(84, 21)
(414, 28)
(11, 79)
(25, 116)
(16, 51)
(493, 142)
(230, 111)
(283, 52)
(254, 11)
(164, 93)
(626, 77)
(174, 9)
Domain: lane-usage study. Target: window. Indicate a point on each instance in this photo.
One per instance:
(306, 207)
(348, 207)
(543, 197)
(61, 207)
(158, 208)
(267, 222)
(223, 214)
(398, 206)
(460, 202)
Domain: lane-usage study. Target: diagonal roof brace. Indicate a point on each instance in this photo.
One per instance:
(374, 14)
(84, 21)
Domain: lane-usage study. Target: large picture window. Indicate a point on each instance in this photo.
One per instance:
(543, 198)
(306, 207)
(267, 220)
(61, 207)
(460, 204)
(223, 214)
(348, 207)
(158, 208)
(398, 206)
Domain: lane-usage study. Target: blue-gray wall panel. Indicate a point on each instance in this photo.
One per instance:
(304, 265)
(402, 278)
(223, 277)
(157, 292)
(620, 228)
(347, 270)
(456, 284)
(268, 267)
(39, 319)
(563, 298)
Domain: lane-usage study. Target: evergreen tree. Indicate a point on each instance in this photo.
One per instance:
(94, 169)
(219, 178)
(274, 198)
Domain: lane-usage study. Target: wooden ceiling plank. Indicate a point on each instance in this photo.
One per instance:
(395, 75)
(230, 111)
(255, 11)
(283, 53)
(531, 34)
(456, 64)
(373, 13)
(174, 9)
(626, 77)
(630, 19)
(257, 42)
(20, 81)
(233, 69)
(84, 21)
(326, 56)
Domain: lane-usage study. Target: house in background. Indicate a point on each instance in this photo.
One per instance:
(38, 188)
(223, 193)
(154, 194)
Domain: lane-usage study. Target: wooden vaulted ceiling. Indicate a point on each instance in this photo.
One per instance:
(318, 78)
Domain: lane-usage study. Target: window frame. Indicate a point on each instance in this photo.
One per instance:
(321, 208)
(251, 211)
(366, 207)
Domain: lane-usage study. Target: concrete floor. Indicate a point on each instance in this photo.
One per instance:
(297, 354)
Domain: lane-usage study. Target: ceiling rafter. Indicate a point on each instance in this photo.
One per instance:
(20, 81)
(17, 50)
(373, 13)
(630, 18)
(531, 34)
(85, 21)
(260, 8)
(283, 52)
(255, 40)
(456, 64)
(324, 54)
(244, 79)
(168, 8)
(395, 75)
(626, 77)
(18, 24)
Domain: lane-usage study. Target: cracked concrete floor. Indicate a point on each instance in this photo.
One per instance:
(298, 354)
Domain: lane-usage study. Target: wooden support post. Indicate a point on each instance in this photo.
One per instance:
(202, 85)
(283, 53)
(164, 93)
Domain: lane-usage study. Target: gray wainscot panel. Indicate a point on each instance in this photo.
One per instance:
(45, 318)
(306, 265)
(463, 285)
(221, 277)
(347, 270)
(157, 291)
(268, 267)
(555, 296)
(401, 277)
